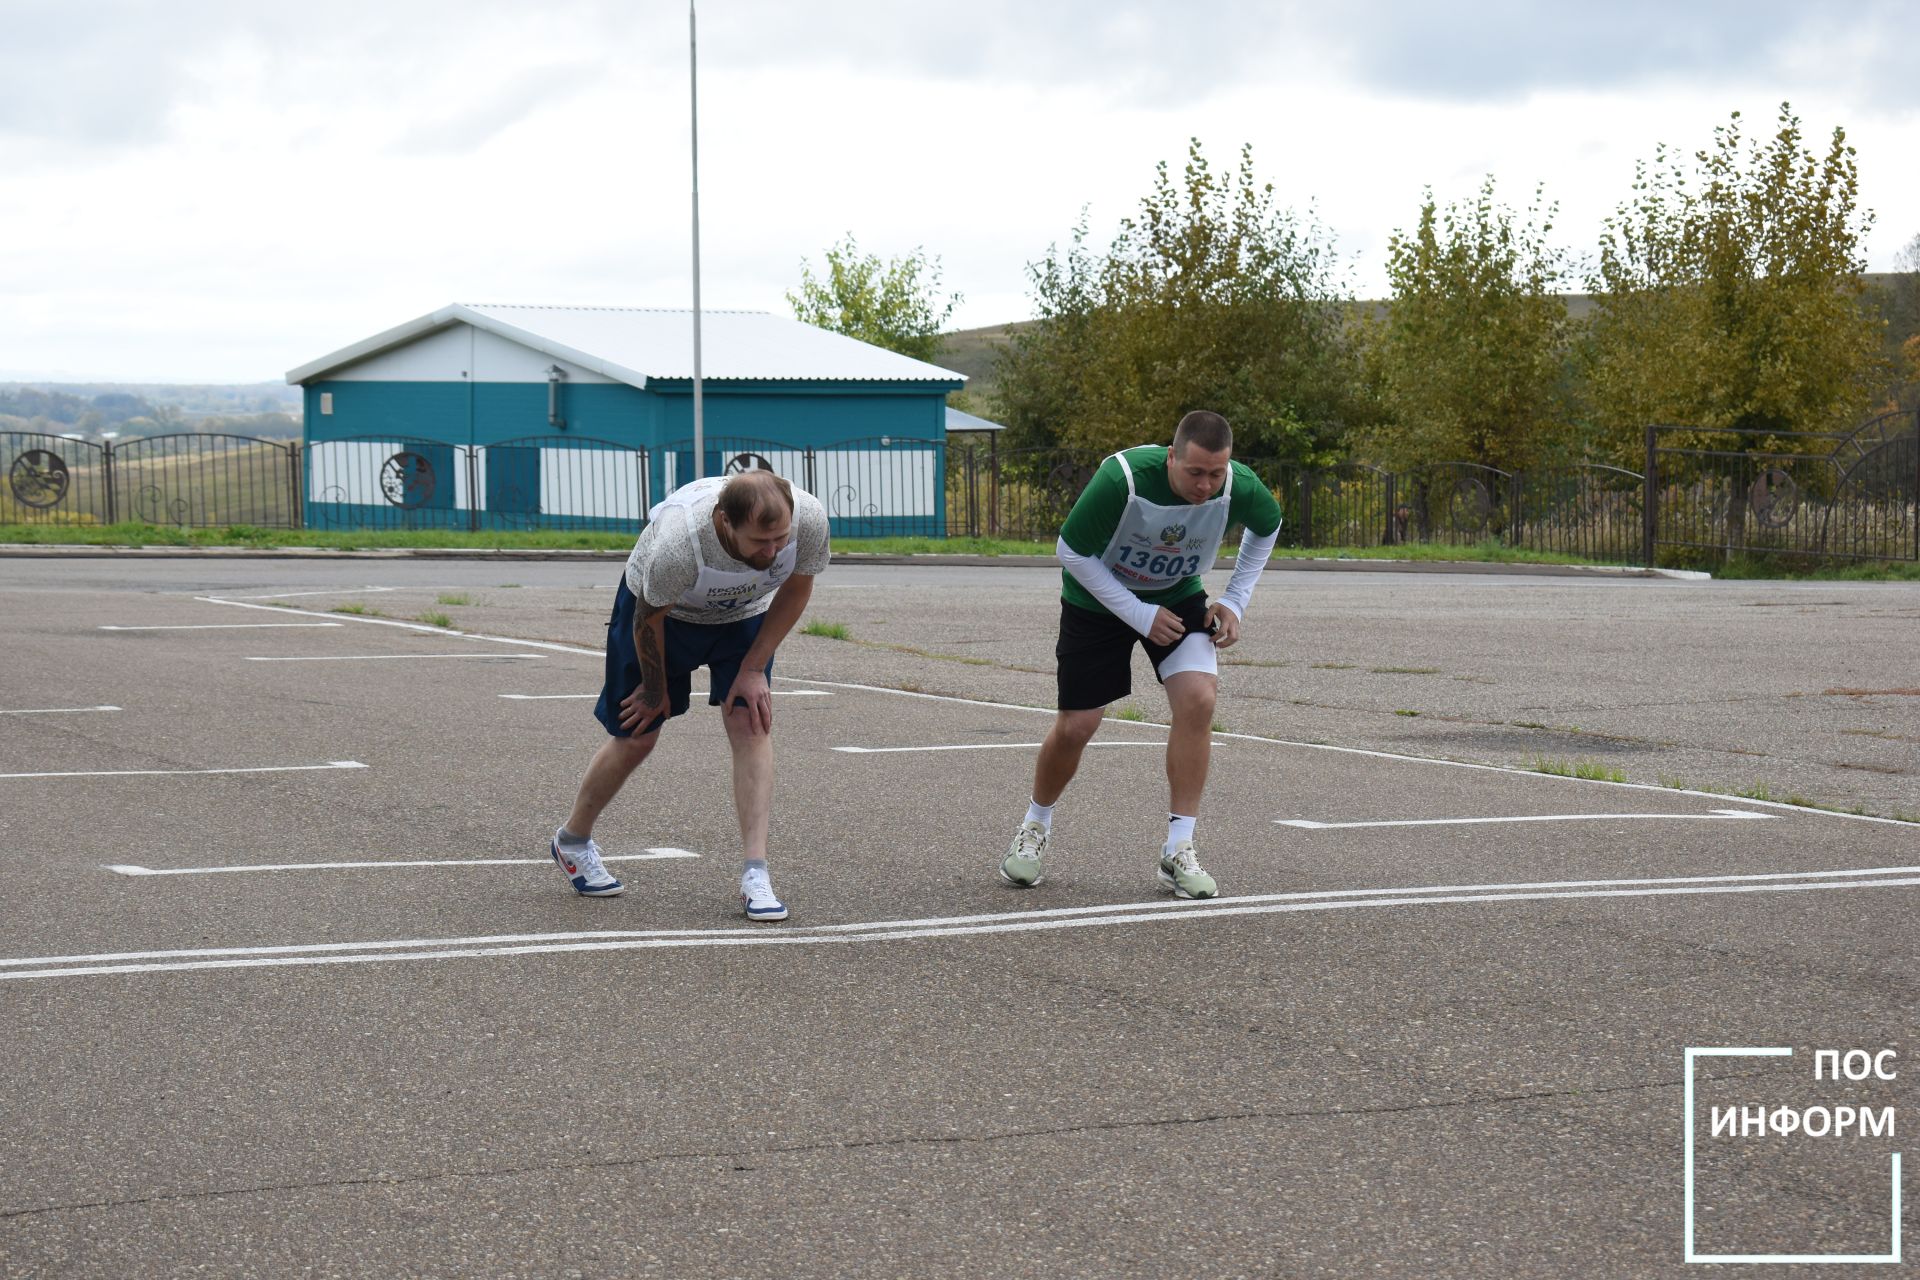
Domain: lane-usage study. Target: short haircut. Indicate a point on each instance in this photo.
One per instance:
(1203, 428)
(755, 496)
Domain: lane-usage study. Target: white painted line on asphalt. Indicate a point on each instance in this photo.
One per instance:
(1717, 815)
(338, 591)
(54, 711)
(978, 746)
(1393, 755)
(778, 693)
(1244, 737)
(698, 693)
(939, 927)
(227, 626)
(396, 657)
(169, 773)
(548, 645)
(126, 869)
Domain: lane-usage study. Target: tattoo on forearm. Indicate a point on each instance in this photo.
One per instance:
(653, 663)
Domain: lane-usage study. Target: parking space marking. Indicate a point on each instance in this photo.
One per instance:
(55, 711)
(338, 591)
(1531, 774)
(226, 626)
(396, 657)
(747, 935)
(548, 645)
(979, 746)
(126, 869)
(169, 773)
(1717, 815)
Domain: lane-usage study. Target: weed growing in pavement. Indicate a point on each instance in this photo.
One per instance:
(1590, 770)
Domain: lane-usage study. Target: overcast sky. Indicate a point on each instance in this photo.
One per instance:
(220, 190)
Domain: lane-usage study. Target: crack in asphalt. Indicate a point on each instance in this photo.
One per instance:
(1109, 1126)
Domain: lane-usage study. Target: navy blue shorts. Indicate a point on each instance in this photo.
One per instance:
(689, 645)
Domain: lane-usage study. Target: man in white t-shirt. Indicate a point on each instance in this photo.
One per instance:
(718, 578)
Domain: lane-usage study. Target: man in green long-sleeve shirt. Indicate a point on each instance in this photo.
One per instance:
(1131, 552)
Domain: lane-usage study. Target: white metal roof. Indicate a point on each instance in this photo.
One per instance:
(959, 420)
(636, 344)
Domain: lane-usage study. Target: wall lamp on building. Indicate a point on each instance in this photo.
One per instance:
(555, 374)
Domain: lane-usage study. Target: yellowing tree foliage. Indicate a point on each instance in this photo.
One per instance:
(1469, 360)
(1211, 297)
(1728, 294)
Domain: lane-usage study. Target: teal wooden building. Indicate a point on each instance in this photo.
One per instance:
(481, 416)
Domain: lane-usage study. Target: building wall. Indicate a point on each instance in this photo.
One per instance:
(472, 392)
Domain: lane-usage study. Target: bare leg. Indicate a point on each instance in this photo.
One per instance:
(752, 781)
(1060, 753)
(609, 770)
(1190, 745)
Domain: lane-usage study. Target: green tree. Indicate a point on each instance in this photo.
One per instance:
(1899, 303)
(893, 304)
(1469, 360)
(1209, 297)
(1728, 295)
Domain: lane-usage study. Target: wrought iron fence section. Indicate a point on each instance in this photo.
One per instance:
(206, 479)
(389, 482)
(1025, 494)
(883, 486)
(1588, 509)
(1454, 503)
(1853, 495)
(726, 455)
(1350, 505)
(559, 482)
(54, 480)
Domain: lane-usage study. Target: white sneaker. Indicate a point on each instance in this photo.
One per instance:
(588, 875)
(1021, 867)
(756, 897)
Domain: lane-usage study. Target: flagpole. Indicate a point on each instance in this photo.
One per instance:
(693, 81)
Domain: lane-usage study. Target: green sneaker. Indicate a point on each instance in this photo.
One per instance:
(1021, 867)
(1180, 871)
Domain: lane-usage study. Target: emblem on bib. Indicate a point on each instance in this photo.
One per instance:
(1172, 534)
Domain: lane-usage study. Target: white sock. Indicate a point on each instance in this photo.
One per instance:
(1179, 828)
(1040, 813)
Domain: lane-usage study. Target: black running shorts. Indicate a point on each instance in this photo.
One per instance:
(1095, 652)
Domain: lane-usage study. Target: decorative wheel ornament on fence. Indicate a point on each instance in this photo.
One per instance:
(746, 462)
(1774, 498)
(406, 480)
(39, 479)
(1470, 507)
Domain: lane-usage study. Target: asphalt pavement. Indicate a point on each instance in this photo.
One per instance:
(289, 988)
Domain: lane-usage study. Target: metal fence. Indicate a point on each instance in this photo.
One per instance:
(1852, 495)
(1833, 495)
(534, 482)
(191, 479)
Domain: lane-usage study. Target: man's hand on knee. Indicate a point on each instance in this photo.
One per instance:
(642, 707)
(750, 697)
